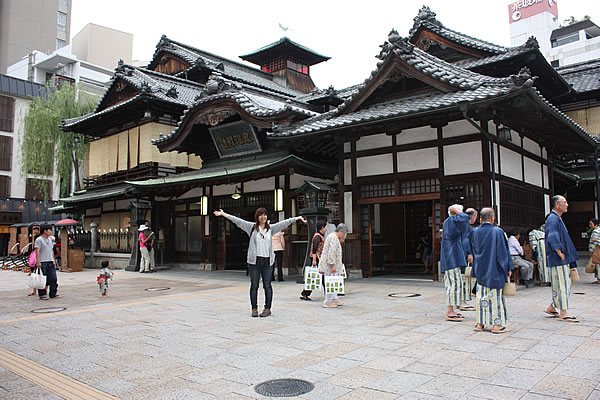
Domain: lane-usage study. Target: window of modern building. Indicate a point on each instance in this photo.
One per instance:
(32, 189)
(60, 43)
(6, 149)
(565, 40)
(61, 22)
(4, 186)
(64, 2)
(555, 63)
(7, 113)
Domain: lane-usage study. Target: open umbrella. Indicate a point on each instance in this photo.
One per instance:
(67, 222)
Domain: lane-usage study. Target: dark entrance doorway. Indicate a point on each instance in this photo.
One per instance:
(391, 236)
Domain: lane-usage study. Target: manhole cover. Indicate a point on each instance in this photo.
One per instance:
(156, 289)
(284, 388)
(404, 295)
(46, 310)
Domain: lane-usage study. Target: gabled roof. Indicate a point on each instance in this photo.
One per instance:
(146, 84)
(426, 19)
(256, 104)
(288, 46)
(583, 77)
(200, 59)
(421, 65)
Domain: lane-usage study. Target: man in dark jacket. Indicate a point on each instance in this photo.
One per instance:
(560, 254)
(492, 268)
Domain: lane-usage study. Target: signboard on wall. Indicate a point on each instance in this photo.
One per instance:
(521, 9)
(235, 139)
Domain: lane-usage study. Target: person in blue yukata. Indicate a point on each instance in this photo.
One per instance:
(560, 256)
(453, 258)
(492, 267)
(468, 280)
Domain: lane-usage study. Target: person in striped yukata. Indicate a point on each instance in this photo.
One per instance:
(595, 241)
(452, 258)
(468, 280)
(538, 247)
(492, 267)
(559, 256)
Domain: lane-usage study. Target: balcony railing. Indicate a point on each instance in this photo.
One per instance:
(109, 241)
(143, 171)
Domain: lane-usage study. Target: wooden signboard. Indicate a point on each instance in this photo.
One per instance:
(235, 139)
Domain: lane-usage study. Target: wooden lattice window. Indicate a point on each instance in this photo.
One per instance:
(469, 194)
(32, 191)
(6, 151)
(420, 186)
(377, 190)
(260, 200)
(4, 186)
(521, 207)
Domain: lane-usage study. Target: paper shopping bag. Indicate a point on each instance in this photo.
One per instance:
(312, 278)
(334, 284)
(344, 274)
(590, 268)
(510, 289)
(574, 275)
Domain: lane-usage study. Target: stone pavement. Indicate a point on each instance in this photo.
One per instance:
(198, 341)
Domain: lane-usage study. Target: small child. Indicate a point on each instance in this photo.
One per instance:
(103, 278)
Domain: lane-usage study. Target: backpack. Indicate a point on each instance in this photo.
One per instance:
(32, 260)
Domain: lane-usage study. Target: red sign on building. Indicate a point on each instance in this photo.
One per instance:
(522, 9)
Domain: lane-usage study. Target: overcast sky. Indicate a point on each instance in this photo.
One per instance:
(349, 32)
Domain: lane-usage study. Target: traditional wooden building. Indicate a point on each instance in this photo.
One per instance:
(444, 118)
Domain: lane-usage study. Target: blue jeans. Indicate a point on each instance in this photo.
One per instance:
(261, 268)
(49, 270)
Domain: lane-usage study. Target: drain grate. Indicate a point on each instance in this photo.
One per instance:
(578, 292)
(46, 310)
(284, 387)
(400, 295)
(157, 289)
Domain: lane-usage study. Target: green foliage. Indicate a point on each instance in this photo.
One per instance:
(572, 20)
(45, 145)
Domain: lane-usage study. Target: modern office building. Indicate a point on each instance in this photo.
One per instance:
(28, 25)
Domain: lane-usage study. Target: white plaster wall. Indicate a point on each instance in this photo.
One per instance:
(347, 147)
(492, 128)
(415, 135)
(498, 203)
(348, 210)
(546, 178)
(510, 164)
(515, 138)
(197, 192)
(375, 165)
(260, 185)
(533, 172)
(297, 180)
(415, 160)
(458, 128)
(547, 204)
(463, 158)
(544, 154)
(222, 190)
(373, 142)
(347, 172)
(532, 147)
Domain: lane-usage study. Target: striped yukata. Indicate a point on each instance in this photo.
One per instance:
(538, 243)
(490, 306)
(467, 287)
(595, 241)
(454, 286)
(561, 286)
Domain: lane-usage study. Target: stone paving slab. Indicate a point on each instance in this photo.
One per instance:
(198, 341)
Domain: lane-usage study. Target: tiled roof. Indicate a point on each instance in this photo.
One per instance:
(530, 45)
(426, 19)
(394, 108)
(252, 102)
(230, 69)
(19, 87)
(584, 76)
(148, 83)
(444, 72)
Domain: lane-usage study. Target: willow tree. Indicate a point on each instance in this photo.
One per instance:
(45, 146)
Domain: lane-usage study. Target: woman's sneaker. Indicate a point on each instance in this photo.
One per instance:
(329, 305)
(255, 312)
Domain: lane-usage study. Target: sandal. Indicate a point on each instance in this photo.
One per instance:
(501, 330)
(553, 314)
(478, 328)
(466, 308)
(43, 298)
(569, 318)
(454, 318)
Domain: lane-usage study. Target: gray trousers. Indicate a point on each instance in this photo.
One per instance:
(526, 267)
